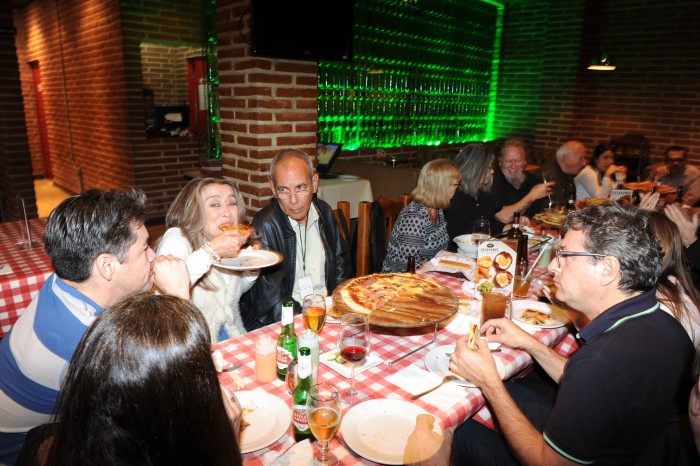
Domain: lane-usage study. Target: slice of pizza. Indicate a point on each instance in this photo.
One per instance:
(531, 316)
(474, 335)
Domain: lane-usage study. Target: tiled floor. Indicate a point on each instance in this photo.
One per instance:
(49, 195)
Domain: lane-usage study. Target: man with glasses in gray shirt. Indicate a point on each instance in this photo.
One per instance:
(303, 229)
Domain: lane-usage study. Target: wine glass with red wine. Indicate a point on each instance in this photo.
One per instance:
(353, 343)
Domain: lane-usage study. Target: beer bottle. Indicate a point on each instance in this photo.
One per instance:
(570, 206)
(287, 341)
(523, 254)
(515, 233)
(411, 267)
(300, 419)
(679, 198)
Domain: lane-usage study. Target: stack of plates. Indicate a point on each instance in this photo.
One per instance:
(465, 246)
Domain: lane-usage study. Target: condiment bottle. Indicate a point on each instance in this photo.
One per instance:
(265, 359)
(287, 341)
(301, 393)
(309, 339)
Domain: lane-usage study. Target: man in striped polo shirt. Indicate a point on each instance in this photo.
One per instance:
(98, 245)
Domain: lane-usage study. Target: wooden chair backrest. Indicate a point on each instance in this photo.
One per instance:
(344, 207)
(391, 210)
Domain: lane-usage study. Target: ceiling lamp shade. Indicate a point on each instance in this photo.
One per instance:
(601, 62)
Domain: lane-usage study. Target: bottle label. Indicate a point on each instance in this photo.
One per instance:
(300, 419)
(304, 367)
(283, 358)
(287, 315)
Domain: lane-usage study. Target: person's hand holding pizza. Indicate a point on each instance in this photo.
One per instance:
(231, 239)
(506, 332)
(475, 365)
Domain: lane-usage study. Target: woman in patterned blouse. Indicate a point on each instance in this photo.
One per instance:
(421, 230)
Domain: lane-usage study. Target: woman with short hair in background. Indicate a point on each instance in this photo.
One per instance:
(421, 229)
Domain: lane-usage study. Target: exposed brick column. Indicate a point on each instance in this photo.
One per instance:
(266, 104)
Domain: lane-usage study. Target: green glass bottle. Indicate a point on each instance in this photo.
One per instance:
(302, 431)
(287, 341)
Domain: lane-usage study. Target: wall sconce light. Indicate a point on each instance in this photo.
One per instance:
(601, 62)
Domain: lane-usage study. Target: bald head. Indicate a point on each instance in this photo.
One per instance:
(571, 157)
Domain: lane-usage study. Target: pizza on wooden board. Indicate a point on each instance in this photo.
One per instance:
(395, 298)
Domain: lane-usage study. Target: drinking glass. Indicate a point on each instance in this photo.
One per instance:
(481, 231)
(521, 282)
(323, 411)
(493, 306)
(313, 309)
(545, 179)
(353, 343)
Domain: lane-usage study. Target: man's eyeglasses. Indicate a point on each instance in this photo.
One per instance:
(575, 253)
(513, 163)
(286, 193)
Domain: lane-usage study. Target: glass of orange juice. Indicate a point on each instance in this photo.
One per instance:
(313, 309)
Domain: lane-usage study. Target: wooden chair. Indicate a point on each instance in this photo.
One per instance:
(344, 219)
(390, 209)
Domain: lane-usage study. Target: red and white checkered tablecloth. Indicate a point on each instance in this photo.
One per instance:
(388, 345)
(30, 269)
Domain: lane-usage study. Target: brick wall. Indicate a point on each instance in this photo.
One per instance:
(266, 105)
(547, 96)
(15, 161)
(77, 44)
(164, 71)
(158, 162)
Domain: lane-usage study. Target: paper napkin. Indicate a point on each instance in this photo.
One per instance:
(414, 380)
(291, 454)
(5, 269)
(329, 359)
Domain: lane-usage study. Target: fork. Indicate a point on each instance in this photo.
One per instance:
(447, 378)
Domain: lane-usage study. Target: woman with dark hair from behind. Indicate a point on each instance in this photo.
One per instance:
(141, 389)
(475, 163)
(674, 289)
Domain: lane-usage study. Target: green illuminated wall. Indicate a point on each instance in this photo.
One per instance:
(423, 73)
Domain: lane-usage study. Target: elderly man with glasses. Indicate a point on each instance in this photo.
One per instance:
(612, 397)
(676, 173)
(303, 229)
(513, 187)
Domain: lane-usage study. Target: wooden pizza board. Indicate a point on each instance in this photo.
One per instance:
(426, 309)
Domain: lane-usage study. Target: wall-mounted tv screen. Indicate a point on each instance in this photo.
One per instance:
(303, 30)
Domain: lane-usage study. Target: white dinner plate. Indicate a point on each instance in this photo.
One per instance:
(348, 177)
(379, 429)
(557, 315)
(251, 259)
(437, 361)
(269, 419)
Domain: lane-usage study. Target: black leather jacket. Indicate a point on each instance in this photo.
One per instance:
(262, 304)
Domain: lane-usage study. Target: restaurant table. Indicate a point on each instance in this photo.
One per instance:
(23, 271)
(388, 344)
(338, 189)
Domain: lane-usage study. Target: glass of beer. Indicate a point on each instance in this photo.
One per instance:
(323, 411)
(313, 309)
(521, 283)
(493, 306)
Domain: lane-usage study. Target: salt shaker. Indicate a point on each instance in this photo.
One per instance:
(309, 339)
(265, 359)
